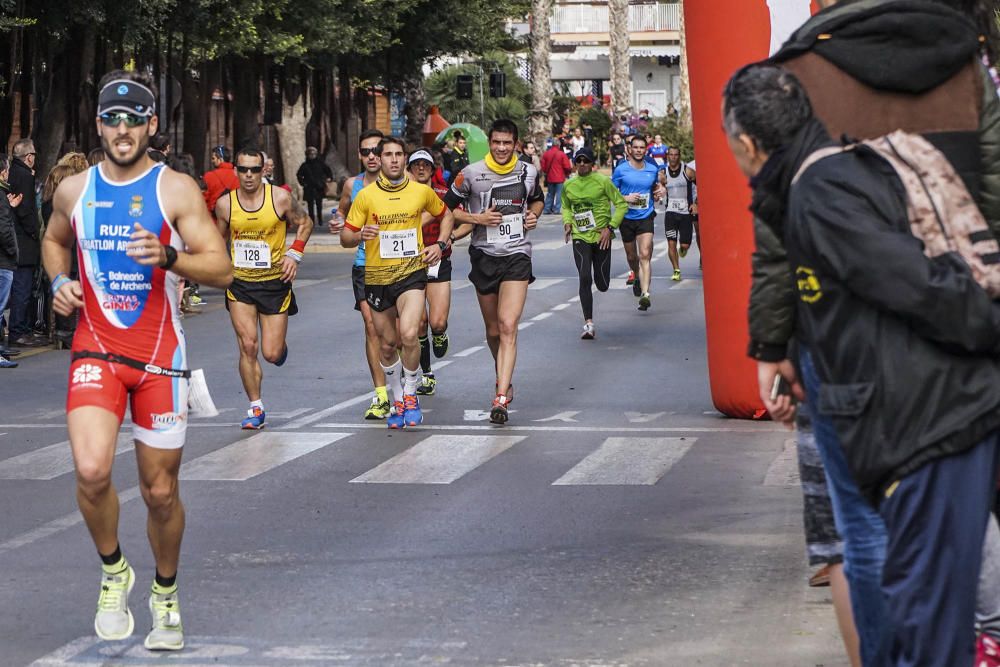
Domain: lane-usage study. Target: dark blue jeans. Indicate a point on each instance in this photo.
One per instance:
(6, 280)
(20, 302)
(936, 518)
(860, 526)
(553, 198)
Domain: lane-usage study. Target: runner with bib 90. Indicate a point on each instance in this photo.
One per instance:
(503, 200)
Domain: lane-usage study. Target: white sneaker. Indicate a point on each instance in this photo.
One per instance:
(167, 633)
(588, 331)
(114, 621)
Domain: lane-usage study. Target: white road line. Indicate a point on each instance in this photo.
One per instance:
(561, 306)
(289, 414)
(574, 299)
(51, 461)
(249, 455)
(248, 458)
(337, 407)
(62, 656)
(570, 429)
(549, 245)
(468, 351)
(541, 316)
(60, 524)
(439, 459)
(524, 325)
(308, 282)
(784, 469)
(542, 283)
(627, 461)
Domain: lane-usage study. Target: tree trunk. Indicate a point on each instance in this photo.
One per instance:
(52, 122)
(412, 84)
(195, 121)
(246, 103)
(292, 131)
(684, 104)
(540, 115)
(621, 76)
(87, 93)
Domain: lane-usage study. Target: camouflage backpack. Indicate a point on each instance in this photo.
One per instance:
(942, 213)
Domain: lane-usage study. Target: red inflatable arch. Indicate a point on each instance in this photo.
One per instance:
(723, 35)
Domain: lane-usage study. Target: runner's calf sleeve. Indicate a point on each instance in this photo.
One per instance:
(425, 354)
(394, 379)
(410, 379)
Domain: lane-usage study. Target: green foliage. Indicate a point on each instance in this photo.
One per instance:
(441, 90)
(600, 123)
(673, 135)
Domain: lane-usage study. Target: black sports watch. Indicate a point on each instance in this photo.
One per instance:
(442, 245)
(171, 253)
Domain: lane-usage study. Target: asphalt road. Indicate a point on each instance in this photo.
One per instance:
(617, 520)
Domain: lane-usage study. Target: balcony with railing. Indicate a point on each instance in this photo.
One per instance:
(592, 17)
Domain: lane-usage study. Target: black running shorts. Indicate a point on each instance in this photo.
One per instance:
(384, 297)
(489, 271)
(631, 228)
(679, 226)
(358, 282)
(443, 273)
(270, 297)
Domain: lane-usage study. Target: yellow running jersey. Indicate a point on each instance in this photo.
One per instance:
(257, 239)
(395, 252)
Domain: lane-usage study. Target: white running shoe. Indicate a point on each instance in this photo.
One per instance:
(167, 633)
(114, 621)
(588, 331)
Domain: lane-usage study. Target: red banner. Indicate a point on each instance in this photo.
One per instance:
(722, 36)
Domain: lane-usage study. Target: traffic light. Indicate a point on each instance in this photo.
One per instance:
(464, 86)
(498, 84)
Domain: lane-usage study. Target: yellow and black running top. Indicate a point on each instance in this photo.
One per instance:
(257, 239)
(395, 253)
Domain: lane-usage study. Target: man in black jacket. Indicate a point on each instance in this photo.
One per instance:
(870, 67)
(313, 176)
(8, 248)
(22, 183)
(906, 350)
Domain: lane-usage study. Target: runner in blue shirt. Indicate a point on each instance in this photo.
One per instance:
(638, 182)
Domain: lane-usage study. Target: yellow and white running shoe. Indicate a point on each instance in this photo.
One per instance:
(167, 633)
(114, 621)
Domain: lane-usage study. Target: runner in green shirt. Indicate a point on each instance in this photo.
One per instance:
(587, 202)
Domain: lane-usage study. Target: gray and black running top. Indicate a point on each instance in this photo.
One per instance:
(478, 187)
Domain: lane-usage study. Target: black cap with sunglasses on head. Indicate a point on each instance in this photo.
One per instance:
(584, 153)
(126, 96)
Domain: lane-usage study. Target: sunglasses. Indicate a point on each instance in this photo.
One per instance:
(582, 160)
(249, 170)
(114, 119)
(365, 152)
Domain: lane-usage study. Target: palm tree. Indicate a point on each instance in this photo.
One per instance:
(541, 71)
(621, 98)
(684, 104)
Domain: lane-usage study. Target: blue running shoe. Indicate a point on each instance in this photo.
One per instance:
(7, 363)
(396, 420)
(411, 410)
(254, 420)
(283, 358)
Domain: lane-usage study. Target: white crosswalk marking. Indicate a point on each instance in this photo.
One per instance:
(52, 461)
(627, 461)
(542, 283)
(248, 458)
(549, 245)
(784, 469)
(439, 459)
